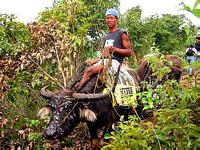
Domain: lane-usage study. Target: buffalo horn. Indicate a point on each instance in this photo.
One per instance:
(83, 96)
(45, 93)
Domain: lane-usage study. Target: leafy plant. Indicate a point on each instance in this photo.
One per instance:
(175, 129)
(14, 36)
(48, 52)
(172, 129)
(148, 99)
(195, 10)
(172, 125)
(35, 137)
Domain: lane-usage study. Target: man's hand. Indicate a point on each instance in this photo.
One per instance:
(112, 49)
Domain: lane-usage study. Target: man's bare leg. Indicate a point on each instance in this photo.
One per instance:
(97, 68)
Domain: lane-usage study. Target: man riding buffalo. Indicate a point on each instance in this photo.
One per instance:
(69, 108)
(116, 43)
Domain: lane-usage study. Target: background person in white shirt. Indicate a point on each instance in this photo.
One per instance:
(191, 53)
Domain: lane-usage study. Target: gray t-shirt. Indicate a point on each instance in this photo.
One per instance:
(115, 39)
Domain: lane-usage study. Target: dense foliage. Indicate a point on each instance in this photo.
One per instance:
(49, 50)
(174, 109)
(167, 33)
(14, 36)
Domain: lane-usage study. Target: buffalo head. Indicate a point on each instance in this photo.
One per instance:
(67, 110)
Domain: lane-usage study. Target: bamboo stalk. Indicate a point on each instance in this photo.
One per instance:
(60, 66)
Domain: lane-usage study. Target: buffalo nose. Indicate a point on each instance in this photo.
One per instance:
(49, 134)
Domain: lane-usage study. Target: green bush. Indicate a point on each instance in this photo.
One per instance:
(171, 127)
(14, 36)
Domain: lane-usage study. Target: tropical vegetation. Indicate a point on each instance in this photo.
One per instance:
(49, 50)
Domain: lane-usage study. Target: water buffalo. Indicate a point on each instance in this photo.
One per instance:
(145, 70)
(68, 107)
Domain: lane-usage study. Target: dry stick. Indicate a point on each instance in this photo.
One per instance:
(45, 72)
(20, 111)
(40, 100)
(60, 66)
(69, 113)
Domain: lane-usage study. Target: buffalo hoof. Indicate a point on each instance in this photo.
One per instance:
(95, 144)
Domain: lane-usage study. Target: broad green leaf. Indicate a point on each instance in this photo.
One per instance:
(107, 136)
(196, 12)
(197, 2)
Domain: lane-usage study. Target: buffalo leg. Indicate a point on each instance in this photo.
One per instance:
(139, 108)
(93, 133)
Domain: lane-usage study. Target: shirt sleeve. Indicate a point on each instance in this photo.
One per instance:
(195, 50)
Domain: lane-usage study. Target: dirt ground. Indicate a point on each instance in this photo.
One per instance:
(188, 81)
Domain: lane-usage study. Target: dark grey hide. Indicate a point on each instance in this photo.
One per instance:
(69, 108)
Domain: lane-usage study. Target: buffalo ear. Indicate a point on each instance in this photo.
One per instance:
(44, 112)
(88, 114)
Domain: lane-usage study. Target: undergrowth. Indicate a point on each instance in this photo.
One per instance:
(172, 125)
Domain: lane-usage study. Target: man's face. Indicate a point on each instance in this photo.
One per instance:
(111, 21)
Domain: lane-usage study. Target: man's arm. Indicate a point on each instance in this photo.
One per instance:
(126, 50)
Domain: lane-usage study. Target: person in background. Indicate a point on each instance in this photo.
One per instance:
(197, 46)
(191, 57)
(116, 43)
